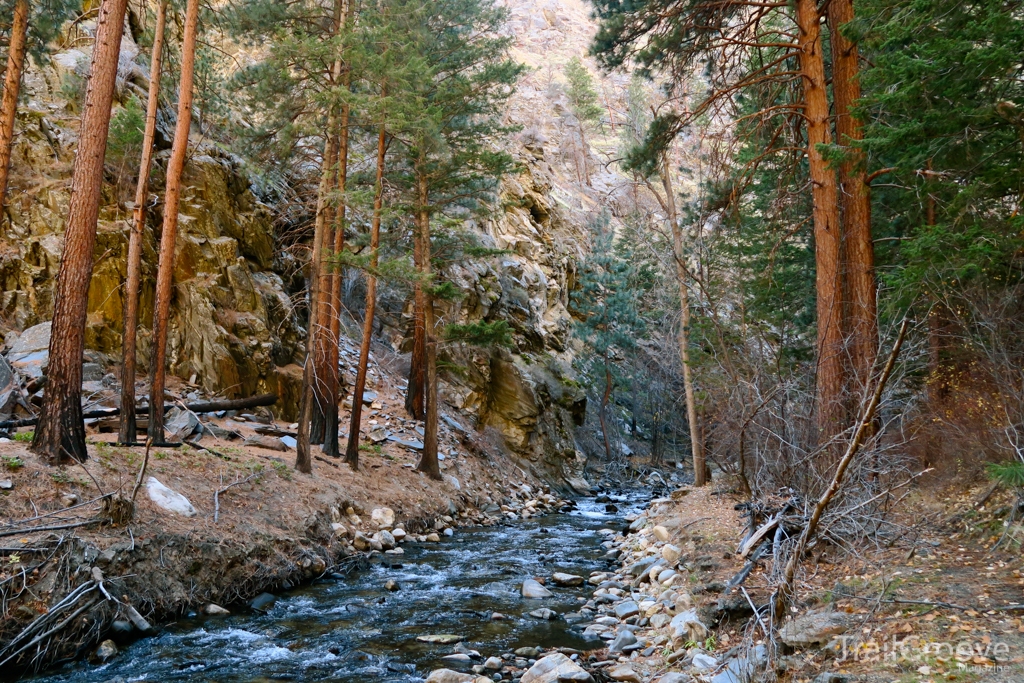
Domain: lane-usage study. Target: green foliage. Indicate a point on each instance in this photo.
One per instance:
(127, 129)
(24, 437)
(12, 462)
(45, 20)
(1010, 473)
(607, 300)
(481, 333)
(583, 97)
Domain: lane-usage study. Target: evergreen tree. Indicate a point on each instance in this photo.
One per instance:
(607, 304)
(583, 102)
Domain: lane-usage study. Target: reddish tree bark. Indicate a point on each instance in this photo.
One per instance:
(330, 446)
(858, 250)
(172, 197)
(127, 428)
(825, 212)
(352, 447)
(414, 395)
(428, 460)
(307, 405)
(12, 86)
(60, 434)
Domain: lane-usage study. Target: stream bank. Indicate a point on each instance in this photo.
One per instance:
(371, 622)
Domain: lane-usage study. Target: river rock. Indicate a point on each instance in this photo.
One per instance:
(666, 575)
(544, 614)
(675, 677)
(621, 642)
(703, 662)
(493, 663)
(106, 650)
(382, 518)
(216, 610)
(534, 591)
(687, 626)
(624, 672)
(661, 533)
(391, 585)
(551, 668)
(458, 657)
(561, 579)
(432, 538)
(529, 652)
(449, 676)
(626, 609)
(262, 602)
(169, 499)
(399, 534)
(387, 540)
(440, 638)
(671, 554)
(361, 541)
(814, 628)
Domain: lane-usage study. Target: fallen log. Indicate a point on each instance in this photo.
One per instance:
(208, 407)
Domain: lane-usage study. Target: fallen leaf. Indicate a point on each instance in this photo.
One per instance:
(924, 670)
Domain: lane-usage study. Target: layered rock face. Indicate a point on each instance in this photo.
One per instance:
(234, 328)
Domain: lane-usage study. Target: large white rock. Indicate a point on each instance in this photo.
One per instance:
(383, 518)
(550, 668)
(449, 676)
(534, 590)
(169, 499)
(687, 626)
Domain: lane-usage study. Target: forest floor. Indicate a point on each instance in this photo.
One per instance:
(929, 607)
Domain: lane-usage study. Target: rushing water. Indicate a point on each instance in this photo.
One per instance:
(355, 630)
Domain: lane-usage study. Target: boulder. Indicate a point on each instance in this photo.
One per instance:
(551, 669)
(169, 499)
(263, 602)
(361, 541)
(544, 614)
(661, 533)
(703, 662)
(387, 540)
(561, 579)
(106, 650)
(814, 628)
(493, 663)
(440, 638)
(449, 676)
(671, 554)
(180, 424)
(382, 518)
(624, 672)
(534, 591)
(621, 642)
(687, 627)
(216, 610)
(31, 351)
(627, 609)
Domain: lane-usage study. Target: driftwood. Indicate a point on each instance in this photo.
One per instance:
(208, 407)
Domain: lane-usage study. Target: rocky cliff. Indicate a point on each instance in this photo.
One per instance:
(235, 329)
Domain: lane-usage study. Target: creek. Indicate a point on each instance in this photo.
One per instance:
(353, 629)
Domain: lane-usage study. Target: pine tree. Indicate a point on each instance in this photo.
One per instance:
(608, 306)
(60, 434)
(127, 428)
(168, 236)
(583, 102)
(32, 28)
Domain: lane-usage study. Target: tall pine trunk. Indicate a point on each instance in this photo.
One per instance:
(12, 85)
(127, 431)
(60, 434)
(330, 446)
(428, 461)
(825, 213)
(696, 443)
(858, 251)
(603, 411)
(172, 197)
(414, 396)
(352, 447)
